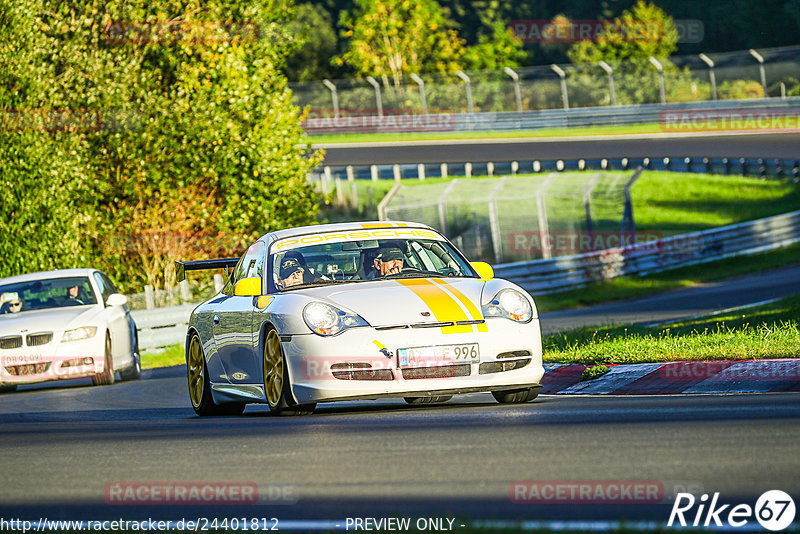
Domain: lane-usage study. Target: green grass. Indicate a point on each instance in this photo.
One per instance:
(166, 357)
(769, 331)
(517, 134)
(632, 287)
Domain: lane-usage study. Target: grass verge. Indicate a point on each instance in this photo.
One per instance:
(769, 331)
(166, 357)
(652, 128)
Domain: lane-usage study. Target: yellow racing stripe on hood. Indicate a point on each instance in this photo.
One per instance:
(442, 305)
(468, 304)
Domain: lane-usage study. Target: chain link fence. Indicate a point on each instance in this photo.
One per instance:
(697, 78)
(520, 218)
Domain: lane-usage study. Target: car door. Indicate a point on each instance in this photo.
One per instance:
(116, 319)
(233, 321)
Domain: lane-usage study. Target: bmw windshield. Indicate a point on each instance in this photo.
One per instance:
(46, 293)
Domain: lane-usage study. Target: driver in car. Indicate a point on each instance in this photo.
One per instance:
(290, 273)
(388, 261)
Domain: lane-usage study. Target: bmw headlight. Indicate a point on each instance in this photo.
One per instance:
(76, 334)
(327, 320)
(511, 304)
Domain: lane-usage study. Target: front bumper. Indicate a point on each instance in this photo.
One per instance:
(352, 366)
(54, 361)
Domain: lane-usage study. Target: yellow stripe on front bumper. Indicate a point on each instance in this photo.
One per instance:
(468, 304)
(443, 306)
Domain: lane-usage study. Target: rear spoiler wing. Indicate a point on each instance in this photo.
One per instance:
(182, 266)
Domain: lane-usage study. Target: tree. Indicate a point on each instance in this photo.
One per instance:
(312, 61)
(187, 99)
(395, 38)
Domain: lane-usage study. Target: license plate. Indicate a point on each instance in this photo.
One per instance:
(438, 355)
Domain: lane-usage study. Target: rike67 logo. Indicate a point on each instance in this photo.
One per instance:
(774, 511)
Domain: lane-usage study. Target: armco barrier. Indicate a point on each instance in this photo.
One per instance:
(570, 272)
(161, 327)
(761, 167)
(666, 114)
(167, 326)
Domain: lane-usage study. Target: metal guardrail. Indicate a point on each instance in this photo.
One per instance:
(668, 115)
(330, 178)
(571, 272)
(161, 327)
(167, 326)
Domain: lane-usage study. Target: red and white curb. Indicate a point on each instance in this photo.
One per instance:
(728, 376)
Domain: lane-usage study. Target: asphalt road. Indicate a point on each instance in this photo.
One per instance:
(703, 299)
(781, 145)
(61, 448)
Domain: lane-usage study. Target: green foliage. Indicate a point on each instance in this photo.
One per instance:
(190, 98)
(392, 39)
(740, 89)
(595, 371)
(312, 61)
(496, 49)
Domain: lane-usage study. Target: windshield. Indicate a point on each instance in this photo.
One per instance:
(364, 260)
(46, 293)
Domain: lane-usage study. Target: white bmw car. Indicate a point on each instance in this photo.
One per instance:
(65, 324)
(359, 311)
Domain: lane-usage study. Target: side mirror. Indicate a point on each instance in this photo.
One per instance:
(483, 269)
(248, 287)
(116, 299)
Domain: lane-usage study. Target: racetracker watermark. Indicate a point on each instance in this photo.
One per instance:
(69, 120)
(571, 242)
(369, 122)
(574, 31)
(743, 371)
(218, 493)
(600, 491)
(714, 120)
(207, 32)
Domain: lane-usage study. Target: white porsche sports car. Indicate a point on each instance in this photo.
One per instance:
(65, 324)
(358, 311)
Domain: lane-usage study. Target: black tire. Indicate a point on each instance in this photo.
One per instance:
(201, 400)
(106, 378)
(436, 399)
(515, 396)
(277, 389)
(9, 388)
(134, 372)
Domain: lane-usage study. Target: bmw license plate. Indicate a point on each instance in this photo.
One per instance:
(438, 355)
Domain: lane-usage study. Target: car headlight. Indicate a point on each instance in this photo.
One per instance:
(76, 334)
(511, 304)
(327, 320)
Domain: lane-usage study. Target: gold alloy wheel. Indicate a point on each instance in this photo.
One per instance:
(273, 368)
(196, 372)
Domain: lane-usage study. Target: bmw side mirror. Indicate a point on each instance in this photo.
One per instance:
(116, 299)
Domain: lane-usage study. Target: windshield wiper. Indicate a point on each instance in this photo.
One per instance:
(316, 283)
(414, 274)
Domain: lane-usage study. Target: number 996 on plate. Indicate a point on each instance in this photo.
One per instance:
(438, 355)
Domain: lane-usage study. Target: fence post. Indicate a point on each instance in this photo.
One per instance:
(396, 170)
(421, 83)
(149, 297)
(385, 202)
(465, 78)
(186, 291)
(326, 180)
(758, 57)
(421, 171)
(657, 64)
(544, 231)
(515, 77)
(468, 169)
(563, 77)
(373, 170)
(443, 167)
(494, 221)
(378, 101)
(711, 75)
(628, 224)
(334, 97)
(587, 205)
(606, 67)
(219, 282)
(443, 205)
